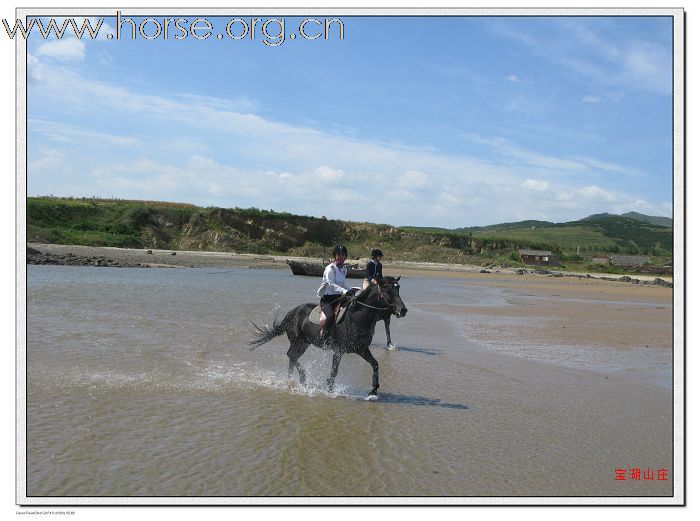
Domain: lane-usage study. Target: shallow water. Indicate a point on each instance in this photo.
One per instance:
(140, 383)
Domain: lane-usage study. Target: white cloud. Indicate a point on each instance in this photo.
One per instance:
(607, 166)
(239, 104)
(400, 196)
(448, 199)
(47, 159)
(68, 49)
(513, 78)
(61, 132)
(328, 175)
(647, 64)
(413, 179)
(34, 68)
(537, 186)
(577, 164)
(596, 193)
(529, 157)
(602, 98)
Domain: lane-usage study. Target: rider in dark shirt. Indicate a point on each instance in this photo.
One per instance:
(373, 273)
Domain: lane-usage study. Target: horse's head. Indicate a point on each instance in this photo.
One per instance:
(390, 293)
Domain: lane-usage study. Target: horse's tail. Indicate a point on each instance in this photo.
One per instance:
(265, 335)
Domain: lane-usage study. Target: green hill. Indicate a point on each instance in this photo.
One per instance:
(666, 222)
(658, 221)
(604, 233)
(521, 225)
(153, 224)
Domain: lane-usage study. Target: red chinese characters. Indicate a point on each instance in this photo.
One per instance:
(637, 474)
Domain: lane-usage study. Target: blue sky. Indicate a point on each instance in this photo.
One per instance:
(440, 121)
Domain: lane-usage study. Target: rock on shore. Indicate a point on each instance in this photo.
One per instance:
(35, 256)
(74, 255)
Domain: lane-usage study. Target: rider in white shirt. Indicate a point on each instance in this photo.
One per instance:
(333, 288)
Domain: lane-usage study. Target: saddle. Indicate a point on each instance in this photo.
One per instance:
(317, 316)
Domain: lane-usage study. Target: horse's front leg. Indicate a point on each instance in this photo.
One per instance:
(334, 370)
(375, 370)
(389, 344)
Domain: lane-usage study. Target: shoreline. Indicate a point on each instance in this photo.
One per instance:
(75, 255)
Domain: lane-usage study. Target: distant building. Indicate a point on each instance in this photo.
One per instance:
(630, 260)
(538, 257)
(600, 259)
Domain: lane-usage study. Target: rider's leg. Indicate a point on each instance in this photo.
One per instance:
(327, 302)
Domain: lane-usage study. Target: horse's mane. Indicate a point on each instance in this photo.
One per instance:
(364, 292)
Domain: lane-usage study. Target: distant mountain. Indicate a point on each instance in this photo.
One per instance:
(649, 219)
(658, 221)
(520, 225)
(597, 216)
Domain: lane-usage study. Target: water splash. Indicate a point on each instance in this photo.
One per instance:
(219, 377)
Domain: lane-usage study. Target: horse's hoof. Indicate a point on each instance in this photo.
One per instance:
(371, 398)
(330, 385)
(391, 347)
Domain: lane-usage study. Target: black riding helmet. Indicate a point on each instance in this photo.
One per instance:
(340, 250)
(377, 253)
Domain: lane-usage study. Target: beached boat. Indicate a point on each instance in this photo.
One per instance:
(315, 269)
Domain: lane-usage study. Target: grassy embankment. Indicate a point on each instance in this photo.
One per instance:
(152, 224)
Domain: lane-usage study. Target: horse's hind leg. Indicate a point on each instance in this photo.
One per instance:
(334, 370)
(375, 370)
(295, 351)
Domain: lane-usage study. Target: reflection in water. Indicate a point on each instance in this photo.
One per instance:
(419, 400)
(421, 350)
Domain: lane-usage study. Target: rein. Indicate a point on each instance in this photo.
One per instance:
(375, 307)
(368, 306)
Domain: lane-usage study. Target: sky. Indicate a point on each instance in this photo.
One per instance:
(423, 121)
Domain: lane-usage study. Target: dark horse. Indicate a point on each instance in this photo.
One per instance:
(352, 335)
